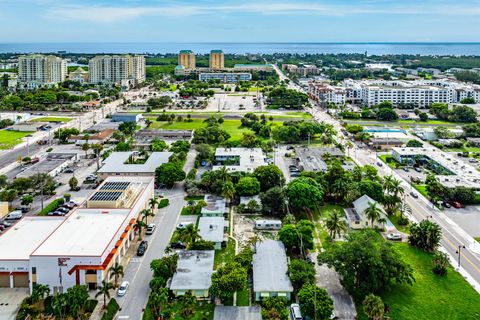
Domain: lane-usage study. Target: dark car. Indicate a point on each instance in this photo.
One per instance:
(63, 209)
(178, 245)
(447, 205)
(69, 206)
(68, 170)
(142, 248)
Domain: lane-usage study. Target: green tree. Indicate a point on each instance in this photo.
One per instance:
(274, 201)
(335, 224)
(139, 225)
(366, 263)
(77, 297)
(414, 144)
(247, 186)
(165, 267)
(228, 190)
(127, 128)
(373, 307)
(27, 200)
(304, 193)
(315, 302)
(249, 140)
(275, 308)
(269, 176)
(425, 235)
(39, 292)
(169, 173)
(423, 116)
(60, 305)
(228, 279)
(189, 304)
(116, 271)
(73, 183)
(104, 290)
(188, 235)
(85, 147)
(300, 272)
(97, 150)
(299, 236)
(159, 300)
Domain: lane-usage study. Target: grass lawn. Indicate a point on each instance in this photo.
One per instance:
(388, 159)
(242, 298)
(422, 188)
(9, 139)
(225, 255)
(233, 127)
(443, 122)
(203, 311)
(467, 149)
(395, 220)
(477, 239)
(322, 212)
(431, 296)
(52, 119)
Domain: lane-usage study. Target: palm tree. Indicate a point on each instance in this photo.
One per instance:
(228, 190)
(372, 212)
(335, 224)
(152, 203)
(59, 304)
(223, 174)
(159, 299)
(189, 303)
(39, 292)
(188, 234)
(116, 271)
(348, 145)
(139, 225)
(145, 213)
(104, 290)
(387, 183)
(97, 149)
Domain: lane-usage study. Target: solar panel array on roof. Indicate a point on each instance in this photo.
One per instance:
(115, 185)
(106, 196)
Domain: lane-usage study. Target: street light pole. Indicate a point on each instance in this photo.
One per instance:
(460, 247)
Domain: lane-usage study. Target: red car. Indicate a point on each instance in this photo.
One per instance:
(456, 204)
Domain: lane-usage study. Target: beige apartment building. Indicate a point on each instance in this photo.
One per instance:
(186, 58)
(125, 70)
(38, 70)
(217, 59)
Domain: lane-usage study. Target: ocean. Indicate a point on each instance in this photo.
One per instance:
(380, 48)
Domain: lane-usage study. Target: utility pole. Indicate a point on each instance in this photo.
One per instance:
(459, 251)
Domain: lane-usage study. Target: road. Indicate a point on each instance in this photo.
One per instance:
(453, 236)
(138, 271)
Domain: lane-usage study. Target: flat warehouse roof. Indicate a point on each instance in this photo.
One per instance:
(116, 163)
(21, 239)
(86, 232)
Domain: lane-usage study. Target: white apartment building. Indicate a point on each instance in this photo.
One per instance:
(303, 70)
(125, 70)
(37, 70)
(417, 92)
(323, 92)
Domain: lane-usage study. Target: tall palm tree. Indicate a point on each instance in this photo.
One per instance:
(372, 212)
(223, 174)
(228, 190)
(188, 234)
(145, 213)
(159, 300)
(39, 292)
(396, 187)
(335, 224)
(152, 203)
(116, 271)
(348, 145)
(189, 303)
(387, 183)
(104, 290)
(139, 225)
(97, 149)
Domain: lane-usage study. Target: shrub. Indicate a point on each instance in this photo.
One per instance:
(52, 206)
(112, 308)
(163, 203)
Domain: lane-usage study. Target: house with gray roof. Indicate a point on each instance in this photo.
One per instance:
(216, 206)
(194, 273)
(237, 313)
(356, 218)
(270, 278)
(212, 229)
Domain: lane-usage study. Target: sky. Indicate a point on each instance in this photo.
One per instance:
(239, 21)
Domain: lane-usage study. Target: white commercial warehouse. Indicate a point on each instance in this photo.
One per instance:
(78, 249)
(116, 164)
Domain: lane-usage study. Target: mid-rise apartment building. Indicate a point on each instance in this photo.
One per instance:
(186, 58)
(217, 59)
(225, 77)
(37, 70)
(326, 93)
(416, 93)
(125, 70)
(302, 70)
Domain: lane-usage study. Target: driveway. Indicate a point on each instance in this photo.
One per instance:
(10, 300)
(327, 278)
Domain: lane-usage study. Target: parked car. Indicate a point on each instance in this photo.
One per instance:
(73, 203)
(405, 169)
(151, 228)
(56, 213)
(63, 209)
(447, 205)
(294, 174)
(414, 194)
(67, 205)
(122, 290)
(14, 215)
(295, 313)
(6, 223)
(68, 170)
(177, 245)
(379, 164)
(142, 248)
(456, 204)
(418, 169)
(394, 236)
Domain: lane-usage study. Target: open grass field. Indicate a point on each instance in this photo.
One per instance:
(422, 189)
(431, 296)
(9, 139)
(52, 119)
(233, 127)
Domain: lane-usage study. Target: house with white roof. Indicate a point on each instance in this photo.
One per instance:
(194, 273)
(356, 218)
(212, 229)
(239, 159)
(270, 271)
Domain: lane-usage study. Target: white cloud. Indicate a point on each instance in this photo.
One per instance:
(107, 14)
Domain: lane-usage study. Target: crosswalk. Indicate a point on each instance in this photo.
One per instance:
(136, 260)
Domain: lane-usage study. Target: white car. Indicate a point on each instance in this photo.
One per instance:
(151, 228)
(183, 225)
(123, 288)
(394, 236)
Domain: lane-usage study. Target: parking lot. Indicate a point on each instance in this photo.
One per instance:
(232, 102)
